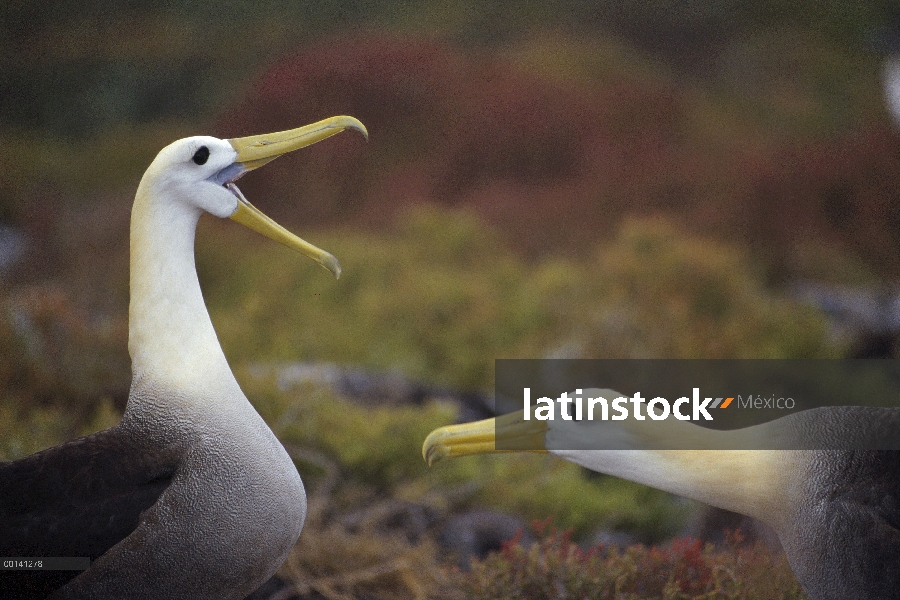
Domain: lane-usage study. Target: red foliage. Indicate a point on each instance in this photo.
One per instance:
(553, 165)
(556, 567)
(845, 190)
(451, 127)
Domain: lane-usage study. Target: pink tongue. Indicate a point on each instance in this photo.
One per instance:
(234, 190)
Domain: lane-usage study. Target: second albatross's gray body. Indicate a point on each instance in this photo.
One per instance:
(191, 495)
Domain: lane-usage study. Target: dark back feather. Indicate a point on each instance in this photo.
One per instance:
(76, 499)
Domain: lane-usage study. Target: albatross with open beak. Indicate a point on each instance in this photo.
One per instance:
(191, 495)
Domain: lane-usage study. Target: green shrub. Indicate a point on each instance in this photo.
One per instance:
(441, 298)
(654, 292)
(438, 300)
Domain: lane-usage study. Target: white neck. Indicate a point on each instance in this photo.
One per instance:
(746, 481)
(757, 483)
(170, 336)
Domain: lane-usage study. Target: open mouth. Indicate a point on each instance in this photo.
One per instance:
(231, 187)
(248, 215)
(227, 176)
(257, 150)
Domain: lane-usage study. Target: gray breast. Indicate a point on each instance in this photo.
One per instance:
(168, 506)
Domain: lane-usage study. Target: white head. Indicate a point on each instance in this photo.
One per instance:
(194, 171)
(198, 174)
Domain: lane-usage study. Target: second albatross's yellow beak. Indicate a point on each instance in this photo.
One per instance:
(481, 437)
(257, 150)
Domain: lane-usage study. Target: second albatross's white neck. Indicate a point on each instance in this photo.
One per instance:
(171, 338)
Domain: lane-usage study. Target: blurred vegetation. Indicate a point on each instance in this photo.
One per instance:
(442, 296)
(556, 157)
(76, 68)
(339, 563)
(556, 568)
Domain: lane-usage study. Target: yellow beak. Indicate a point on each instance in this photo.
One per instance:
(257, 150)
(481, 437)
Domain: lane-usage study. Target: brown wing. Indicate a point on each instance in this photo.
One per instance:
(76, 499)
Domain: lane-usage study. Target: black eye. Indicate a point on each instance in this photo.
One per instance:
(201, 155)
